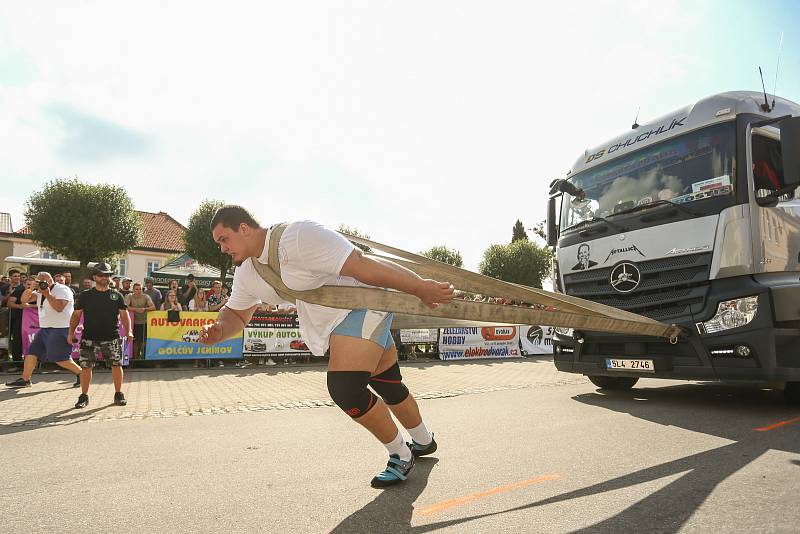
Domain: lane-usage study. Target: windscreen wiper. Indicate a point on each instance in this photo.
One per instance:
(642, 207)
(597, 221)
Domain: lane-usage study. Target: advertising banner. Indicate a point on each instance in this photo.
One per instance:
(274, 333)
(30, 325)
(536, 339)
(479, 342)
(419, 335)
(180, 340)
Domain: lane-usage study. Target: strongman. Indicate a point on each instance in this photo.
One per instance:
(362, 352)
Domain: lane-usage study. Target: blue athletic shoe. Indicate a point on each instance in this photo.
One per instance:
(396, 471)
(422, 450)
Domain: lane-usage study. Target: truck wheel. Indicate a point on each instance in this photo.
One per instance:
(618, 383)
(792, 393)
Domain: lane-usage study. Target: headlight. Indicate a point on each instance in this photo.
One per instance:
(562, 331)
(732, 314)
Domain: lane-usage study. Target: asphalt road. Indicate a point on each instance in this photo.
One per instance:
(551, 457)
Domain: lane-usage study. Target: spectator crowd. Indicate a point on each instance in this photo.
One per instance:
(19, 291)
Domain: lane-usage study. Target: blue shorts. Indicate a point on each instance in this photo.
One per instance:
(367, 324)
(50, 345)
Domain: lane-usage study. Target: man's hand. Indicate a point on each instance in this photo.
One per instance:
(433, 293)
(211, 334)
(70, 339)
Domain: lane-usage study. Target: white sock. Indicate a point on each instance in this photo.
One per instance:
(398, 446)
(420, 434)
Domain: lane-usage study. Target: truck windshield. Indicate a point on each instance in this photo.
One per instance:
(686, 170)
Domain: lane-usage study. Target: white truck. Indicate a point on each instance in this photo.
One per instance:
(692, 220)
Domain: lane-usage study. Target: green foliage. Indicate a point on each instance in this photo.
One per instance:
(198, 241)
(520, 262)
(540, 230)
(445, 255)
(83, 221)
(518, 232)
(343, 228)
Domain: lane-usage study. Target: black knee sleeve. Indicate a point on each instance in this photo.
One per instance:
(349, 391)
(389, 385)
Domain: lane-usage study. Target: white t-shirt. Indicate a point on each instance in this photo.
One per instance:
(311, 256)
(193, 306)
(48, 316)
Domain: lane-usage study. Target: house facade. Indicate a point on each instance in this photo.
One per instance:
(162, 240)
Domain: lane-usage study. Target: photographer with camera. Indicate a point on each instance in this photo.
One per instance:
(55, 304)
(188, 291)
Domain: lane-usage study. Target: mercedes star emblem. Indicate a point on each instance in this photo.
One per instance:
(625, 277)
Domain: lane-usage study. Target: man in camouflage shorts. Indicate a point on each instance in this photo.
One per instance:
(108, 351)
(102, 307)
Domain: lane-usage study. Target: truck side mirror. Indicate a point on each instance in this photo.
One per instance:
(552, 228)
(790, 150)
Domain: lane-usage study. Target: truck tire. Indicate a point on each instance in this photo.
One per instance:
(617, 383)
(792, 393)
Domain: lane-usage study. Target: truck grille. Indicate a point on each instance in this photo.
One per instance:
(669, 287)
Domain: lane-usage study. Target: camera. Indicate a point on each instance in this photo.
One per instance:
(44, 285)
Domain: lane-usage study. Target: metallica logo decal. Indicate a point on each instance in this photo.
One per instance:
(631, 248)
(625, 277)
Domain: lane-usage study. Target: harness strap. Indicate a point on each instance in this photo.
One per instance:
(554, 309)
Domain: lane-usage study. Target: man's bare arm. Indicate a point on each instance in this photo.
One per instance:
(384, 273)
(57, 304)
(74, 319)
(13, 304)
(229, 322)
(125, 317)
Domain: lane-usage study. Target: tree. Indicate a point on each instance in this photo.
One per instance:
(444, 254)
(518, 232)
(539, 230)
(520, 262)
(343, 228)
(83, 221)
(199, 243)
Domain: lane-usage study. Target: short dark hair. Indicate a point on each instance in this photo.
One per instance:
(231, 216)
(12, 272)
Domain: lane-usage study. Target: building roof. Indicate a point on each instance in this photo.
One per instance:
(160, 232)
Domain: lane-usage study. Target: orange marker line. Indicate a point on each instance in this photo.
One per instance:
(777, 425)
(494, 491)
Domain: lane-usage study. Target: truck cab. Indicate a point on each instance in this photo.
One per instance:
(691, 220)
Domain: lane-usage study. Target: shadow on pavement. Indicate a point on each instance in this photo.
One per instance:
(17, 393)
(729, 412)
(69, 416)
(392, 509)
(183, 372)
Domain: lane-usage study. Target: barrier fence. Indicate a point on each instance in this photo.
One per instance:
(277, 334)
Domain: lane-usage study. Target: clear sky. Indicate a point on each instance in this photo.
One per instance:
(420, 123)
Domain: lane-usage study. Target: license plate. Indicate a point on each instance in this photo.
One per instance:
(640, 366)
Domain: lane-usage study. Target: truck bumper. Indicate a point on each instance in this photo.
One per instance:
(774, 351)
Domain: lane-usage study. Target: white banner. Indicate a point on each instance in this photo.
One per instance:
(479, 342)
(269, 333)
(536, 339)
(419, 335)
